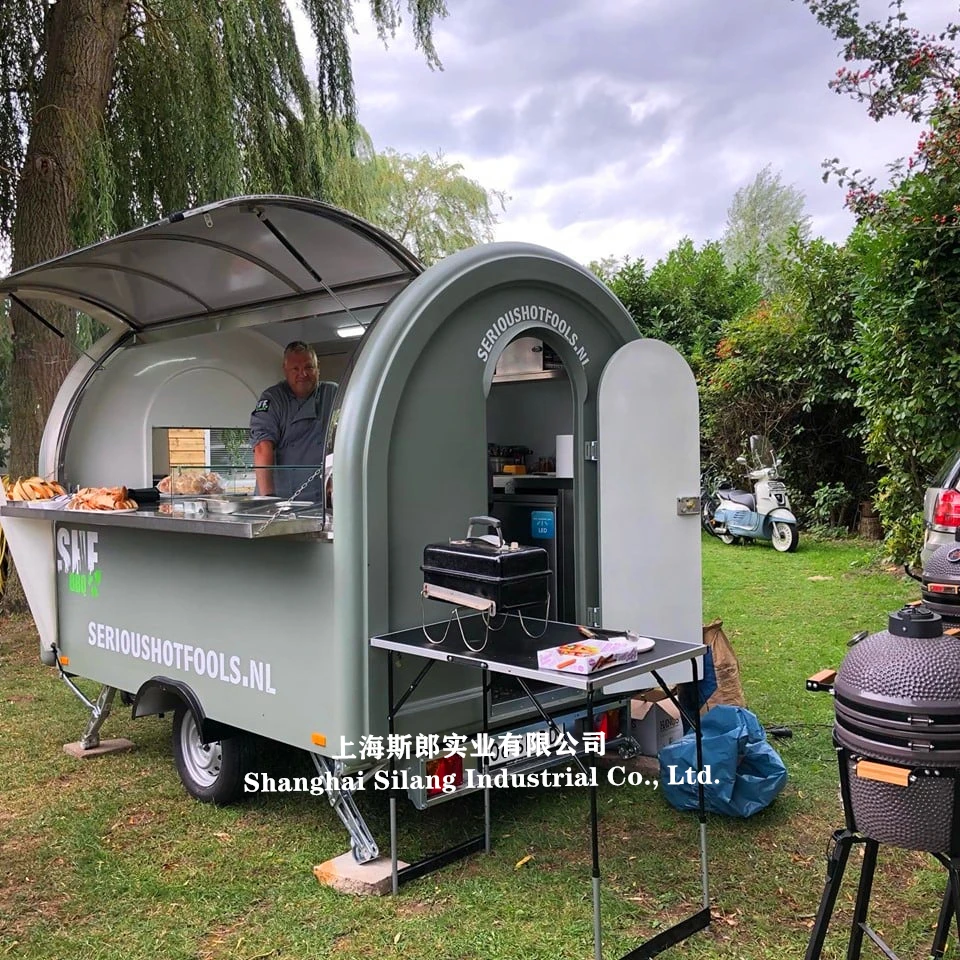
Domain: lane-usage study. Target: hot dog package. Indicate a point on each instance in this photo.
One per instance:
(588, 656)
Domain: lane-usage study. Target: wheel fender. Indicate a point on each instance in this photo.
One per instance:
(164, 695)
(723, 512)
(781, 514)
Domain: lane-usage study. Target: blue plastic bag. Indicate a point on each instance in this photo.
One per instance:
(745, 772)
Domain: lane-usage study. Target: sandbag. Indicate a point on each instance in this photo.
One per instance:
(745, 772)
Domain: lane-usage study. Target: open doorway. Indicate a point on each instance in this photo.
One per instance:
(530, 441)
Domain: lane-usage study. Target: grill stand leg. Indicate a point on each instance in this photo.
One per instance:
(843, 840)
(953, 886)
(863, 899)
(842, 844)
(947, 911)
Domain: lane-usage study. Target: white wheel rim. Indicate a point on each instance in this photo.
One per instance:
(782, 534)
(201, 760)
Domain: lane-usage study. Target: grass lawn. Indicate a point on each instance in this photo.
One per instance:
(111, 859)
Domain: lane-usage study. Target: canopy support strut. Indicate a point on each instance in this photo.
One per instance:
(33, 313)
(294, 252)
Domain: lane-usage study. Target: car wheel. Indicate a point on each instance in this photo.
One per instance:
(784, 536)
(212, 772)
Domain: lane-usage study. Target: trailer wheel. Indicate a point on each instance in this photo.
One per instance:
(211, 772)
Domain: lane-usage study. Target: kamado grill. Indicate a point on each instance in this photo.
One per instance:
(897, 737)
(941, 582)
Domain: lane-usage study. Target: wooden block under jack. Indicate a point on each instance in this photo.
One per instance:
(119, 745)
(345, 875)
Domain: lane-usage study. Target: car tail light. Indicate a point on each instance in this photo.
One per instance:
(441, 767)
(609, 724)
(947, 511)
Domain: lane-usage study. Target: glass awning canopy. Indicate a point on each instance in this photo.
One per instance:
(251, 254)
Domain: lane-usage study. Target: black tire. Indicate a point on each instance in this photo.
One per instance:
(707, 508)
(212, 772)
(784, 536)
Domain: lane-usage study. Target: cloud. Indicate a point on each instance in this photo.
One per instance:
(620, 126)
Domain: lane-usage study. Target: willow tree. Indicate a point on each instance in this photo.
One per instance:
(118, 112)
(429, 204)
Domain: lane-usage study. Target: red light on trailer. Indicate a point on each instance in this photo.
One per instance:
(439, 768)
(609, 724)
(947, 510)
(936, 588)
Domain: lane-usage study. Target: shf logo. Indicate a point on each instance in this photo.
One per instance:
(77, 556)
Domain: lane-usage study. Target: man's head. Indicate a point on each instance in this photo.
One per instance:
(300, 368)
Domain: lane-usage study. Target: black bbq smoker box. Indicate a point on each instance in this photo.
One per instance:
(509, 574)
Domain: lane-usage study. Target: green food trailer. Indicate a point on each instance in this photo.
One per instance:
(258, 621)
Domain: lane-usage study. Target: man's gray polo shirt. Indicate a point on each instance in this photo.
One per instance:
(297, 429)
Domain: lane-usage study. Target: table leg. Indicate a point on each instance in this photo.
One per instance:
(594, 846)
(485, 759)
(394, 876)
(694, 720)
(701, 799)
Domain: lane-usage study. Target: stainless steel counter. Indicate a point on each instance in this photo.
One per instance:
(243, 527)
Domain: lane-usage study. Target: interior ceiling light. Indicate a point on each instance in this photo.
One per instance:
(351, 330)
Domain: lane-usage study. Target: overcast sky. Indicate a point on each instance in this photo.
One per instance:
(619, 126)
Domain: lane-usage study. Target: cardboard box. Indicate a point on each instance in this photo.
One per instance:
(654, 724)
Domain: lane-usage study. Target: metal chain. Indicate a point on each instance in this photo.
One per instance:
(283, 506)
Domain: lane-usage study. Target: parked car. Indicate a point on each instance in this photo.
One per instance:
(941, 508)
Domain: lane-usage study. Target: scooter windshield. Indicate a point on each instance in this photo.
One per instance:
(762, 451)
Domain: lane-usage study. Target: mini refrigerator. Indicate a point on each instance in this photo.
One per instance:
(542, 516)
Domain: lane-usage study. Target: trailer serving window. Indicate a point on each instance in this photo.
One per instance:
(198, 308)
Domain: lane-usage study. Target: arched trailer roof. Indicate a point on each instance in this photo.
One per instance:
(256, 255)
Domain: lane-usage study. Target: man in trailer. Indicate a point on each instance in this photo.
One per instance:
(288, 426)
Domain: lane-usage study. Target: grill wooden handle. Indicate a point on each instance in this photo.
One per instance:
(883, 772)
(822, 680)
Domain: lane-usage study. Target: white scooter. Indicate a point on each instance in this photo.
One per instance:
(762, 515)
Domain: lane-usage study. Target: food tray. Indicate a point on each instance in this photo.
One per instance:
(235, 504)
(267, 506)
(53, 503)
(101, 512)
